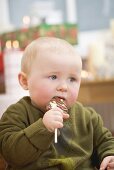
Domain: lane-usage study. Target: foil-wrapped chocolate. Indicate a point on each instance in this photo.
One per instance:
(57, 102)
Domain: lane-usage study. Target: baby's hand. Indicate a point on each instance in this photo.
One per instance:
(54, 118)
(107, 163)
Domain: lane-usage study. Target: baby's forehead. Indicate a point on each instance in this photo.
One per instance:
(61, 57)
(63, 49)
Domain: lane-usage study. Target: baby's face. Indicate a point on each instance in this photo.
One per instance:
(54, 75)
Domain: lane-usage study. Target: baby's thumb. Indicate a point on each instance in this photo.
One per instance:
(104, 163)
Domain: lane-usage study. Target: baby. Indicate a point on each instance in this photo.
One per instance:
(51, 68)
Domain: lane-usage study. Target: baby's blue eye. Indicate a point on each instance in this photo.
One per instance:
(53, 77)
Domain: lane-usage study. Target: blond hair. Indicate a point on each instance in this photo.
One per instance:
(44, 45)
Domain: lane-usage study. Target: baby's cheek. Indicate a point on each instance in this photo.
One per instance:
(73, 98)
(75, 95)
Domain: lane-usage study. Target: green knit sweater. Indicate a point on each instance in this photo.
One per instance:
(26, 144)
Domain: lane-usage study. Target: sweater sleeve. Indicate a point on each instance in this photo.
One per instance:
(102, 137)
(20, 142)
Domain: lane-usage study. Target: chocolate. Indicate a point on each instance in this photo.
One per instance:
(58, 102)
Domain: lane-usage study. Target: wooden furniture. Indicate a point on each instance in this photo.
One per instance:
(99, 91)
(99, 95)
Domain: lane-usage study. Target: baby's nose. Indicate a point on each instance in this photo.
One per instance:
(62, 87)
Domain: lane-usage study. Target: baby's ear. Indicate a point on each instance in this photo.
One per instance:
(22, 77)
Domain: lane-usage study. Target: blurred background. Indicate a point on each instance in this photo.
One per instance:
(88, 25)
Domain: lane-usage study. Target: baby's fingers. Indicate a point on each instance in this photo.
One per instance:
(110, 166)
(107, 163)
(57, 124)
